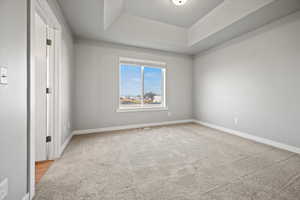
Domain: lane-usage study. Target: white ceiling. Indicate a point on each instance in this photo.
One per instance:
(199, 25)
(165, 11)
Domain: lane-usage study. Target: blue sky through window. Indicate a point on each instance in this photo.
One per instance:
(152, 80)
(131, 83)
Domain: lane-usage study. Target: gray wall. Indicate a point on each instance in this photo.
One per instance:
(67, 88)
(67, 71)
(255, 78)
(96, 86)
(13, 103)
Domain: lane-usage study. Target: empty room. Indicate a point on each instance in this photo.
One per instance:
(150, 100)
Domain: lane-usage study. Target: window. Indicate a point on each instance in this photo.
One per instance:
(142, 85)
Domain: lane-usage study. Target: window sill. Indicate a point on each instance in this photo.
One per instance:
(151, 109)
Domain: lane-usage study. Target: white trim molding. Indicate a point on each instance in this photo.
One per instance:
(126, 127)
(26, 197)
(143, 109)
(65, 144)
(251, 137)
(220, 128)
(126, 60)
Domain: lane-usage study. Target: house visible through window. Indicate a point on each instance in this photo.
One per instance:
(142, 84)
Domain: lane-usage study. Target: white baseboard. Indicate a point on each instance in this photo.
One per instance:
(230, 131)
(251, 137)
(63, 147)
(117, 128)
(26, 197)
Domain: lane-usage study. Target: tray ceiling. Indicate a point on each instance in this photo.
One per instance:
(165, 11)
(158, 24)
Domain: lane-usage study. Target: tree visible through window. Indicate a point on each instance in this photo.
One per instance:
(141, 86)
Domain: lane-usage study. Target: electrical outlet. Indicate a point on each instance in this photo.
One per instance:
(3, 189)
(236, 120)
(169, 114)
(3, 76)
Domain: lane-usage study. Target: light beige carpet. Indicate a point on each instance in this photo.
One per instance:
(182, 162)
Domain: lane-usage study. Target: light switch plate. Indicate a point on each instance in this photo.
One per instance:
(3, 75)
(3, 189)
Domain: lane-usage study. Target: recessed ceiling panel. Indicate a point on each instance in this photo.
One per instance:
(165, 11)
(142, 25)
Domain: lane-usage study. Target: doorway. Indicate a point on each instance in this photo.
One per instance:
(44, 72)
(45, 91)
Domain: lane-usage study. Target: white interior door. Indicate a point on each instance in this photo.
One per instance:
(50, 94)
(40, 88)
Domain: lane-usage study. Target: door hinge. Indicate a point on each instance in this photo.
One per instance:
(49, 42)
(48, 91)
(48, 139)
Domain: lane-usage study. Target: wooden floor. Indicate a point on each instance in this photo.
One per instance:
(41, 168)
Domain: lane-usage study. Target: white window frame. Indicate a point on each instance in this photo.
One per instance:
(143, 64)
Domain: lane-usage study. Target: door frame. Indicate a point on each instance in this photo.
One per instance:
(42, 8)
